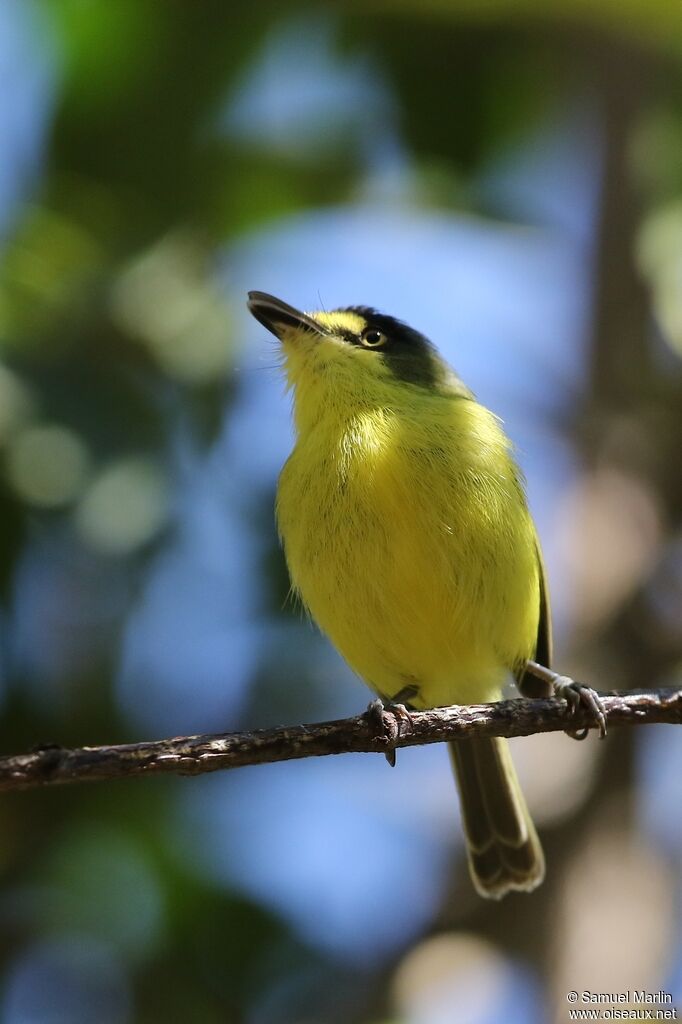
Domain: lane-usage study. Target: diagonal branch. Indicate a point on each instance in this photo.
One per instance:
(377, 731)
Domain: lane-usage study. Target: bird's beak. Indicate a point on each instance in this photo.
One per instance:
(277, 315)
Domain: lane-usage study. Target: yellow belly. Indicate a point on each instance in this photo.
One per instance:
(415, 556)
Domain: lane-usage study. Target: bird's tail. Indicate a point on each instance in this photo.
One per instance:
(503, 846)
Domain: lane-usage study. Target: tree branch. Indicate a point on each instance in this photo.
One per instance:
(376, 731)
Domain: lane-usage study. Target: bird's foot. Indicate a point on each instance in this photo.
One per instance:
(391, 719)
(577, 696)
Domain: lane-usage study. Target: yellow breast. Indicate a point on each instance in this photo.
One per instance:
(407, 537)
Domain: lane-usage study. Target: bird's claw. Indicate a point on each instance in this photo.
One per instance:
(389, 726)
(578, 695)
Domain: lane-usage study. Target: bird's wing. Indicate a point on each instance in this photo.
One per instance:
(529, 685)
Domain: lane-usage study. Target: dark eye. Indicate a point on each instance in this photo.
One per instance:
(371, 338)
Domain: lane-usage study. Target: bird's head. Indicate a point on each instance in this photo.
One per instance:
(355, 352)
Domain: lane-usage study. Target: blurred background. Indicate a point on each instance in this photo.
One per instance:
(507, 177)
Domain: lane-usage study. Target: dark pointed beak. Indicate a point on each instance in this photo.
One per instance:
(277, 315)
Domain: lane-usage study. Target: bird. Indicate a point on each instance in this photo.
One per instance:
(406, 530)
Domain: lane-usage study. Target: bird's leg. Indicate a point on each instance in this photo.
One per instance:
(575, 694)
(399, 706)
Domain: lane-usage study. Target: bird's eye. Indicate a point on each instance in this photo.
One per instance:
(371, 338)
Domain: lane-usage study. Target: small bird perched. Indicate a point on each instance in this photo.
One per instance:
(408, 538)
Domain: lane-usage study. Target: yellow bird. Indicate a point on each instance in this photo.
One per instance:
(408, 538)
